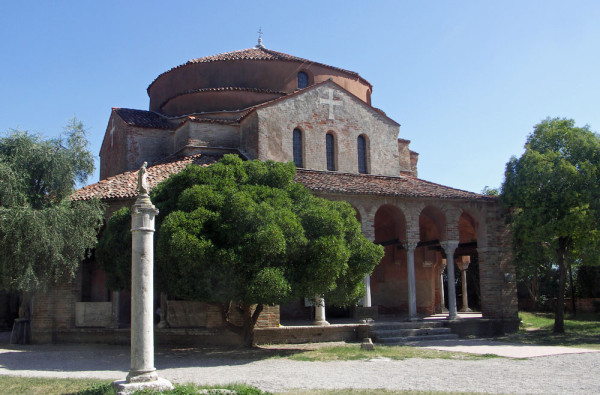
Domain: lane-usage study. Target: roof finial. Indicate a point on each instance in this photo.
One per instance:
(260, 33)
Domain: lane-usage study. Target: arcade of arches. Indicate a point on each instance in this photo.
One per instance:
(427, 243)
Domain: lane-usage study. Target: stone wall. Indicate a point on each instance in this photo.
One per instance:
(54, 310)
(351, 119)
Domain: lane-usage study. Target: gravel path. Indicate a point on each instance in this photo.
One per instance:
(558, 374)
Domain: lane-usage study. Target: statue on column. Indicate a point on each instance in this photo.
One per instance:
(142, 183)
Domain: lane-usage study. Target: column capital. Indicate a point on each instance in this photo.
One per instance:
(411, 244)
(449, 246)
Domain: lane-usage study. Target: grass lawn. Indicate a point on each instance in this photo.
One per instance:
(536, 328)
(354, 352)
(44, 386)
(15, 385)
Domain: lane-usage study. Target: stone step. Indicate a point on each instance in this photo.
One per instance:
(408, 339)
(405, 325)
(409, 332)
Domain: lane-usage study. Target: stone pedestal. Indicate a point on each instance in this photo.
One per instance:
(320, 311)
(142, 374)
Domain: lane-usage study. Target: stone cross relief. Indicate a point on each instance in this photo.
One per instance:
(330, 102)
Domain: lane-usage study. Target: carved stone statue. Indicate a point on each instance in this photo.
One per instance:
(142, 184)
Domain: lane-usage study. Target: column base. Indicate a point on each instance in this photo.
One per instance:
(320, 323)
(467, 310)
(413, 319)
(123, 387)
(142, 376)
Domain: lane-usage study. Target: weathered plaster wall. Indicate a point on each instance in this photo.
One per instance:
(352, 118)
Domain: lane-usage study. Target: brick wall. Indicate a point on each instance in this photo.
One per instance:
(351, 119)
(54, 310)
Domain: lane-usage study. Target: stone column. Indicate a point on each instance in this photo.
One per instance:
(142, 374)
(442, 297)
(366, 301)
(320, 311)
(411, 245)
(449, 247)
(463, 265)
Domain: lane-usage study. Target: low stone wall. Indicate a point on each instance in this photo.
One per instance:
(310, 334)
(162, 337)
(482, 327)
(94, 314)
(189, 314)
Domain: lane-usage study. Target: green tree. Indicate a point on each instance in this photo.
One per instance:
(43, 234)
(244, 234)
(553, 194)
(113, 251)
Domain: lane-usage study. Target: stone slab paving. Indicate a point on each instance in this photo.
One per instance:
(556, 374)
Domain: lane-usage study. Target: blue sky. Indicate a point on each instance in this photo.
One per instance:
(467, 80)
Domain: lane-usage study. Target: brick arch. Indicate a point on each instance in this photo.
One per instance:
(432, 224)
(388, 280)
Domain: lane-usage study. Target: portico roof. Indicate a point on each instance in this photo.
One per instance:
(123, 186)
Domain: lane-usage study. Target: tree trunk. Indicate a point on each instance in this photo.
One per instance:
(249, 318)
(573, 304)
(559, 318)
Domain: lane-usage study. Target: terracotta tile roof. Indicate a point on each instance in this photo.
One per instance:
(123, 186)
(222, 89)
(145, 119)
(367, 184)
(255, 53)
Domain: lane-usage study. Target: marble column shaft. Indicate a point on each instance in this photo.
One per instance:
(411, 245)
(142, 291)
(449, 247)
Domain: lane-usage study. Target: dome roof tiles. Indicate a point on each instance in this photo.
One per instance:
(255, 53)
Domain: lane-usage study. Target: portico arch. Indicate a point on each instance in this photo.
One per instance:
(467, 261)
(428, 260)
(389, 280)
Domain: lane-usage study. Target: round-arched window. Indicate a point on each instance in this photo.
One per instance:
(302, 80)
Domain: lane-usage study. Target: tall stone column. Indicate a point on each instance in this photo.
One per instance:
(142, 374)
(320, 311)
(449, 247)
(463, 265)
(411, 245)
(366, 301)
(368, 230)
(443, 308)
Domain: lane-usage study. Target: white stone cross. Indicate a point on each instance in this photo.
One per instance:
(330, 102)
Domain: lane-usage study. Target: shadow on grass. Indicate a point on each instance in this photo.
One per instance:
(582, 330)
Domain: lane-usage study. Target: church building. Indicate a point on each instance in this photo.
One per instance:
(267, 105)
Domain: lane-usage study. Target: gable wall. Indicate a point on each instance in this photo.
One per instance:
(351, 119)
(206, 135)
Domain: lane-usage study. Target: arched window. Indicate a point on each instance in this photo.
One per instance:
(362, 154)
(302, 80)
(330, 151)
(297, 142)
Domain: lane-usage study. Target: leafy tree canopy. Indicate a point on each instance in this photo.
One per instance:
(554, 197)
(244, 233)
(43, 235)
